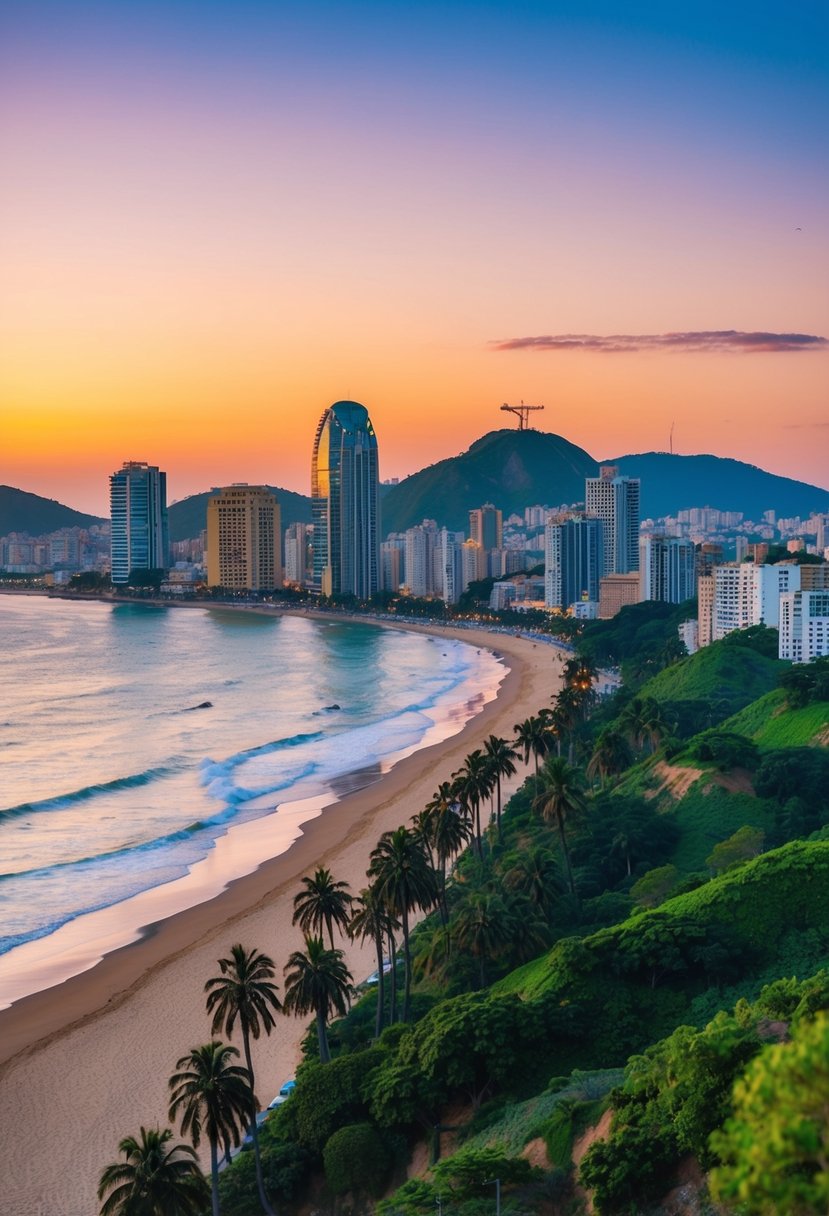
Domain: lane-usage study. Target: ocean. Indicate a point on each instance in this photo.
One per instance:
(151, 752)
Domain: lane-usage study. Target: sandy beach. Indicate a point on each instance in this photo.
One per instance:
(87, 1062)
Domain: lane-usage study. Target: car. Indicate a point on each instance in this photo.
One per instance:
(283, 1095)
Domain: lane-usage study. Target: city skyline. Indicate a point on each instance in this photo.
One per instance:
(435, 212)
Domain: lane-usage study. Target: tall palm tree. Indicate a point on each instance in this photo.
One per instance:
(245, 992)
(560, 798)
(448, 833)
(536, 875)
(482, 927)
(611, 754)
(473, 783)
(532, 736)
(213, 1097)
(568, 713)
(404, 881)
(502, 759)
(156, 1178)
(371, 919)
(317, 981)
(322, 902)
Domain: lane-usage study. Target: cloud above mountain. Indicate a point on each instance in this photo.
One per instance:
(716, 341)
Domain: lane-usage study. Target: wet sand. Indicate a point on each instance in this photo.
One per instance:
(86, 1062)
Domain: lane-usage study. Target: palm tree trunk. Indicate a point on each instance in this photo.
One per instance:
(478, 830)
(498, 811)
(381, 986)
(407, 964)
(393, 977)
(214, 1178)
(254, 1130)
(566, 852)
(325, 1054)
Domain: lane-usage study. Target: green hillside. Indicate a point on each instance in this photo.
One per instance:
(189, 517)
(24, 512)
(770, 723)
(726, 675)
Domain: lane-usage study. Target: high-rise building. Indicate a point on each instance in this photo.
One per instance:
(804, 625)
(486, 526)
(450, 584)
(393, 562)
(615, 501)
(297, 537)
(345, 502)
(666, 569)
(244, 539)
(138, 513)
(573, 561)
(419, 559)
(748, 594)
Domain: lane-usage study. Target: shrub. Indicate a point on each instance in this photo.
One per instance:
(357, 1159)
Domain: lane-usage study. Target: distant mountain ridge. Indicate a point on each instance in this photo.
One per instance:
(21, 511)
(510, 468)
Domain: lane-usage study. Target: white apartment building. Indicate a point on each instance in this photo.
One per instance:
(421, 543)
(804, 625)
(748, 594)
(615, 501)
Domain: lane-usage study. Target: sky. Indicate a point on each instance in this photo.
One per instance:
(216, 219)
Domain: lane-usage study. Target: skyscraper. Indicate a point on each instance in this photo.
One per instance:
(138, 513)
(345, 502)
(573, 557)
(667, 569)
(615, 501)
(244, 539)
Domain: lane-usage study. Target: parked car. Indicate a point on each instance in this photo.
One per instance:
(283, 1095)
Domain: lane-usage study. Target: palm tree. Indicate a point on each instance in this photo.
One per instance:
(559, 799)
(482, 927)
(644, 720)
(568, 713)
(448, 832)
(536, 875)
(155, 1178)
(580, 673)
(245, 991)
(317, 982)
(323, 902)
(213, 1096)
(474, 782)
(611, 754)
(370, 919)
(502, 759)
(404, 880)
(532, 736)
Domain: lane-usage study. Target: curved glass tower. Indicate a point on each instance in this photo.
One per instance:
(345, 502)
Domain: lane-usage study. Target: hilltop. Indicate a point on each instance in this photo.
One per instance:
(21, 511)
(515, 469)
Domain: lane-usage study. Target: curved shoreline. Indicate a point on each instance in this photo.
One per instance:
(86, 1062)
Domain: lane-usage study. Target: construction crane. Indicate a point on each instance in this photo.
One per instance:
(522, 413)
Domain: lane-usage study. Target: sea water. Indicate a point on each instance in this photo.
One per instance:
(133, 738)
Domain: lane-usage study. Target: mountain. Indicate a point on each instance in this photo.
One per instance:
(674, 483)
(24, 512)
(189, 517)
(516, 469)
(511, 469)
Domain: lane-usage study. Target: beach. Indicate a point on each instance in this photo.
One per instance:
(85, 1063)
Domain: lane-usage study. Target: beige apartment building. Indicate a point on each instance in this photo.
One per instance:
(244, 550)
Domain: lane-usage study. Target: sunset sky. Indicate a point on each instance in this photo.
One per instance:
(218, 218)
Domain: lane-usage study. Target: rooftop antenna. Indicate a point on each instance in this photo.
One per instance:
(522, 413)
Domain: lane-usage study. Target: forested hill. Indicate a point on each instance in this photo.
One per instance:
(515, 469)
(21, 511)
